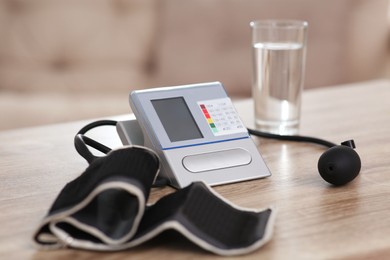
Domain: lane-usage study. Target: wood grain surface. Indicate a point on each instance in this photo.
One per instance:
(314, 220)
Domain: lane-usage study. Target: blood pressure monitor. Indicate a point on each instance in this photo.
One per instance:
(197, 134)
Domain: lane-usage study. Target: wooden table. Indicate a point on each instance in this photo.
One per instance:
(314, 220)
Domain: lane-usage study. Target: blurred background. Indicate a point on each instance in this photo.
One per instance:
(77, 59)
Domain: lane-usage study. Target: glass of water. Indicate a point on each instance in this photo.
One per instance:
(279, 53)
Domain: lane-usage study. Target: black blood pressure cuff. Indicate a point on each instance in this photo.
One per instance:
(105, 209)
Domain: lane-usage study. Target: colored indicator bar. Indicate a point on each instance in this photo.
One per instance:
(208, 118)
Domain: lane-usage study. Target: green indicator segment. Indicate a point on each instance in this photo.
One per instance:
(213, 128)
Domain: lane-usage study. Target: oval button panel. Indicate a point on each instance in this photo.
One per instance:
(216, 160)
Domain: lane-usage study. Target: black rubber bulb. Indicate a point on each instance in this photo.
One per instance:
(339, 165)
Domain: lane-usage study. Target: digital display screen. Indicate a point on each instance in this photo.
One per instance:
(176, 118)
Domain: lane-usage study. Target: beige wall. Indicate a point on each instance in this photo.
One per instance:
(66, 60)
(347, 40)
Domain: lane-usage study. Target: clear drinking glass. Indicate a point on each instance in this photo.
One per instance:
(279, 54)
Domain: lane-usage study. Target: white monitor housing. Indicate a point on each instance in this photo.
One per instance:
(196, 132)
